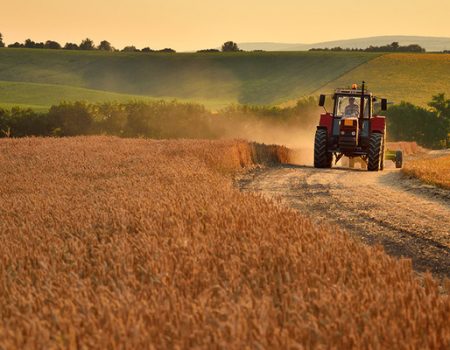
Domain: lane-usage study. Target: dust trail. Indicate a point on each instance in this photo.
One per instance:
(299, 139)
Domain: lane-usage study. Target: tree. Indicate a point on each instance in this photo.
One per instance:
(208, 50)
(441, 106)
(71, 46)
(105, 46)
(50, 44)
(25, 122)
(2, 44)
(29, 44)
(413, 48)
(147, 49)
(130, 49)
(230, 46)
(395, 45)
(407, 122)
(168, 50)
(87, 44)
(70, 119)
(16, 45)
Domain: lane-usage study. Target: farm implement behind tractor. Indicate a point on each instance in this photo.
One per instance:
(353, 130)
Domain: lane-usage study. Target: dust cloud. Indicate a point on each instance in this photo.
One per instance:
(300, 140)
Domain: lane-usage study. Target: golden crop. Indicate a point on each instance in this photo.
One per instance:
(435, 171)
(118, 243)
(408, 148)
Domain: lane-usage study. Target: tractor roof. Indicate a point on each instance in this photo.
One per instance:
(348, 91)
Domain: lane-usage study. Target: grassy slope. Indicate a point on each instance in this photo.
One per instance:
(40, 96)
(213, 79)
(256, 78)
(409, 77)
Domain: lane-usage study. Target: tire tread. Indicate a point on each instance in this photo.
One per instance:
(375, 151)
(322, 159)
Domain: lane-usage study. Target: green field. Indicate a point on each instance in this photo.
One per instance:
(40, 96)
(217, 79)
(413, 78)
(39, 78)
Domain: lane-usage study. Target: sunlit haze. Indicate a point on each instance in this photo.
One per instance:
(197, 24)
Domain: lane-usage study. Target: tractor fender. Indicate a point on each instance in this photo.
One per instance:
(326, 122)
(378, 124)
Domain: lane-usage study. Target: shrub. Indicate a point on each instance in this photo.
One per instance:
(172, 119)
(407, 122)
(72, 118)
(20, 122)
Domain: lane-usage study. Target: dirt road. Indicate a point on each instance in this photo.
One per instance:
(409, 219)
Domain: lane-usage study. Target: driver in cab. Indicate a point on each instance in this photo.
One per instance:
(352, 110)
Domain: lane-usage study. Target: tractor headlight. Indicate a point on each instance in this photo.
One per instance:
(353, 133)
(342, 132)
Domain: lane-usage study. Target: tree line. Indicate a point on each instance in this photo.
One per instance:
(394, 47)
(157, 119)
(86, 44)
(430, 127)
(104, 45)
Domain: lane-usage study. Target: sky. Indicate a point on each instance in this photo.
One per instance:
(198, 24)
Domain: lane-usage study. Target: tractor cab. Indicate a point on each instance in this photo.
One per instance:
(352, 110)
(349, 107)
(352, 129)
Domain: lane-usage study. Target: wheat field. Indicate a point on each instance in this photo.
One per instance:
(434, 171)
(139, 244)
(408, 148)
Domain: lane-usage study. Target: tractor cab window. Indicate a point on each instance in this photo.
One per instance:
(377, 108)
(349, 106)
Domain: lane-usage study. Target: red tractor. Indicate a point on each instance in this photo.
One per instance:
(353, 130)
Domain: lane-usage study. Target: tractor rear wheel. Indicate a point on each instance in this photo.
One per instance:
(322, 159)
(375, 152)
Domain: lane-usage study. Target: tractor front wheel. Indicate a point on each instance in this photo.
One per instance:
(375, 152)
(322, 159)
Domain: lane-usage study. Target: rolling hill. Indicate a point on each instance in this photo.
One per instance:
(39, 96)
(39, 78)
(401, 77)
(217, 79)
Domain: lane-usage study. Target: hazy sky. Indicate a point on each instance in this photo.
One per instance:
(196, 24)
